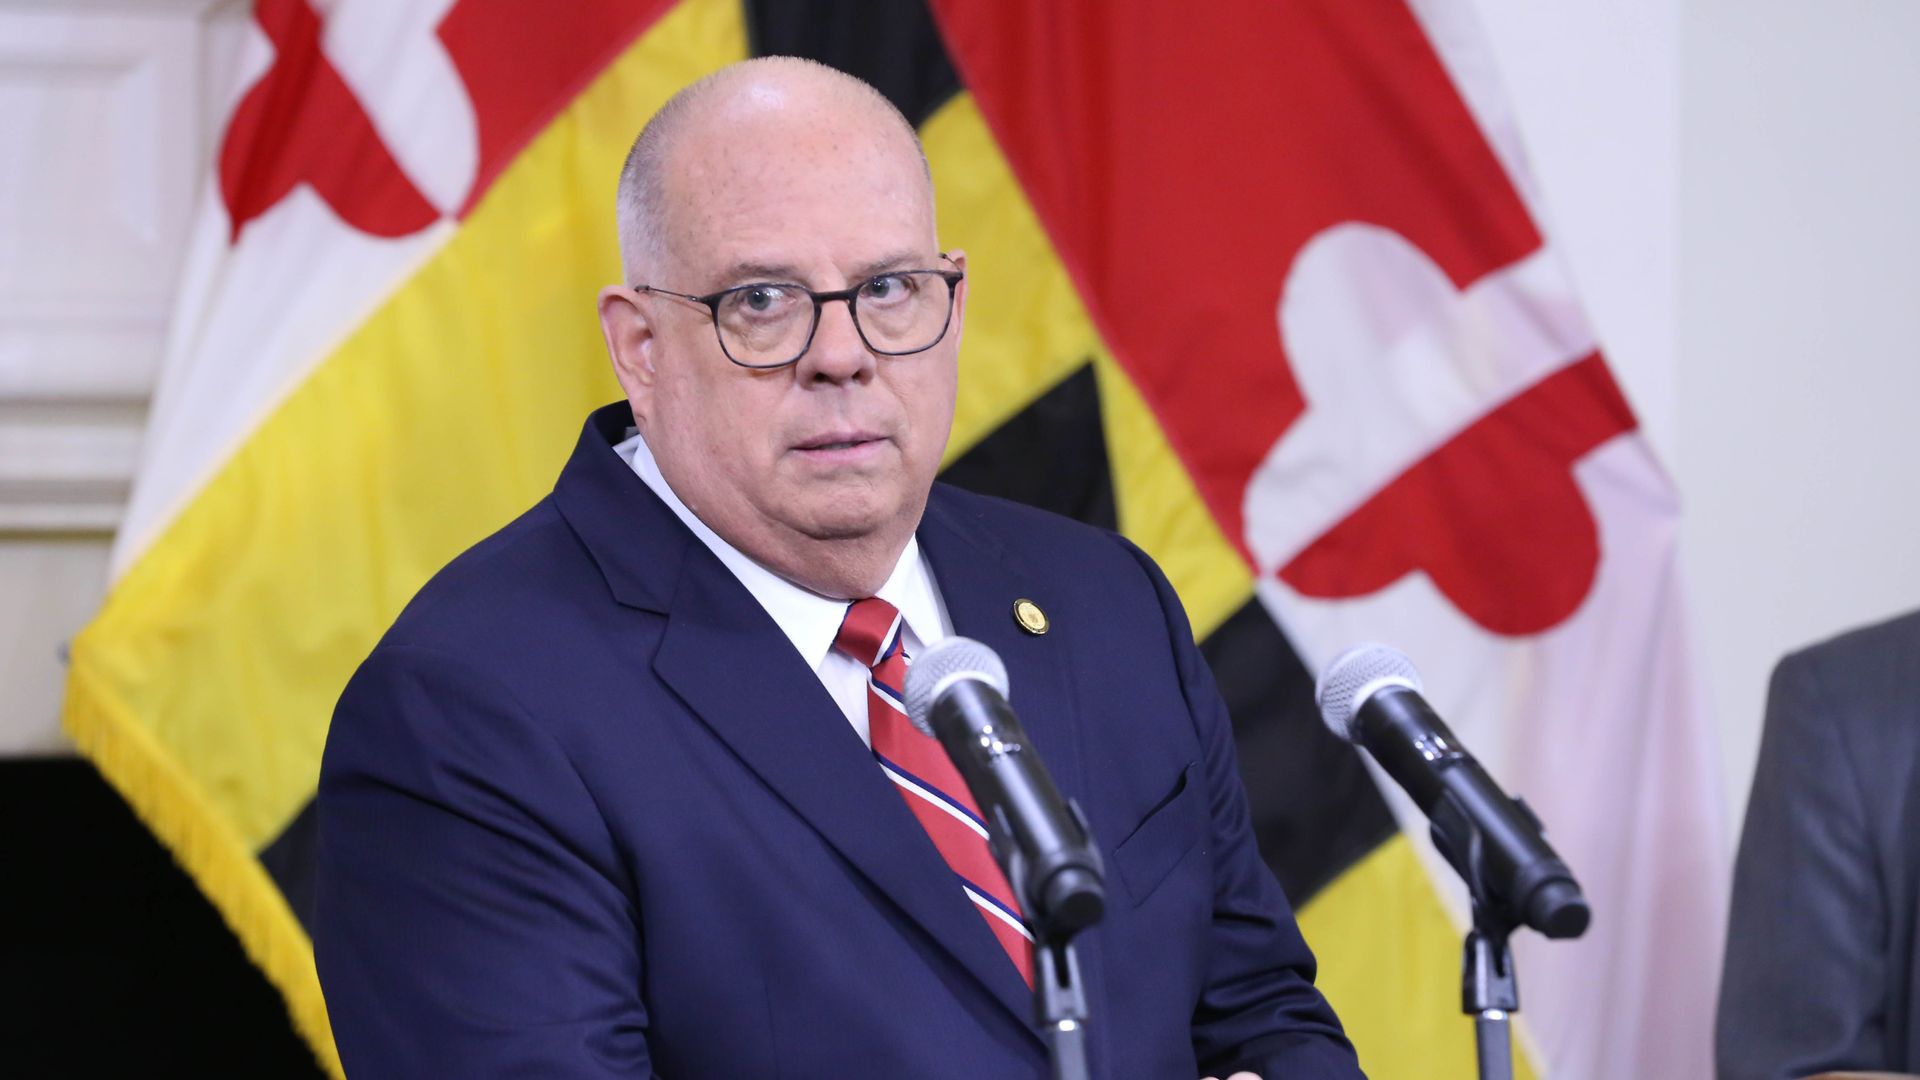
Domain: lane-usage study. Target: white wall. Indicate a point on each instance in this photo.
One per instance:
(51, 585)
(1731, 182)
(1799, 391)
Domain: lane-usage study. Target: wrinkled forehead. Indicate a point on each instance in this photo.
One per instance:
(816, 186)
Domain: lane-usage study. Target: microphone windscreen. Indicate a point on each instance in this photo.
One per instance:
(930, 673)
(1356, 675)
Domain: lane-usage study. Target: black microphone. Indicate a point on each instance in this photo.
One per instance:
(957, 692)
(1370, 696)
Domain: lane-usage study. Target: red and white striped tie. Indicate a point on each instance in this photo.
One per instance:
(927, 780)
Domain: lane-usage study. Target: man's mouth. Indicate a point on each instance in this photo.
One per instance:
(840, 440)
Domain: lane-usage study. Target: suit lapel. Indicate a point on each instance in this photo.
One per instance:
(787, 729)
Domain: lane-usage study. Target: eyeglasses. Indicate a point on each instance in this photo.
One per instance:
(770, 324)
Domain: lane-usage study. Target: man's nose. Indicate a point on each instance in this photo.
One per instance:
(838, 354)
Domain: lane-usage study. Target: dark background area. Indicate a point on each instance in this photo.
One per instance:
(111, 962)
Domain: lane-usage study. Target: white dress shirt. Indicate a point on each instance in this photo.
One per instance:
(809, 620)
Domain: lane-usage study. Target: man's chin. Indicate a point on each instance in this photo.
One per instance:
(850, 515)
(844, 527)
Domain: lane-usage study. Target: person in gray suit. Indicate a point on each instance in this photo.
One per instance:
(1822, 951)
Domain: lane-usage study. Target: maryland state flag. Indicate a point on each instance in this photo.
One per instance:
(1255, 282)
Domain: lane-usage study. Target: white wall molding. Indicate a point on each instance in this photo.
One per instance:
(109, 112)
(106, 123)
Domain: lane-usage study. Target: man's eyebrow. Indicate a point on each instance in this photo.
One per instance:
(900, 260)
(750, 271)
(758, 271)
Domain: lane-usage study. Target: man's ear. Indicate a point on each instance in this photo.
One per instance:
(630, 343)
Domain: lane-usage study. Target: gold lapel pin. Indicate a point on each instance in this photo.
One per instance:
(1029, 616)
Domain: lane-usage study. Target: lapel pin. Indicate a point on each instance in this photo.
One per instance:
(1029, 616)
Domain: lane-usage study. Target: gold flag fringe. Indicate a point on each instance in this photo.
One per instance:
(211, 851)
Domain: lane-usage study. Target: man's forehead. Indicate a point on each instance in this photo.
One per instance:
(738, 204)
(786, 149)
(809, 251)
(763, 129)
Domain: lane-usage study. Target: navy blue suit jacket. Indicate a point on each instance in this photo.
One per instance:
(585, 812)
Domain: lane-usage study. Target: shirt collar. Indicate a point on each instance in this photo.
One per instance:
(809, 620)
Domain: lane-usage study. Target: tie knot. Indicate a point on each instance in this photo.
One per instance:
(868, 630)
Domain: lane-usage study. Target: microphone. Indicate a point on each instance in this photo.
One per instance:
(956, 692)
(1370, 696)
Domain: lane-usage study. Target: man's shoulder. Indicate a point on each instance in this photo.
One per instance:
(1027, 531)
(1861, 681)
(506, 585)
(1882, 655)
(1892, 641)
(1080, 566)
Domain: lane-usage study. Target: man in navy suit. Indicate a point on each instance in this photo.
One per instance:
(620, 794)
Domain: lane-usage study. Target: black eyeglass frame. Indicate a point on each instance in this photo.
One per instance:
(851, 295)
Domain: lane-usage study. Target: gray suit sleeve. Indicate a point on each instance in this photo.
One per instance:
(1804, 987)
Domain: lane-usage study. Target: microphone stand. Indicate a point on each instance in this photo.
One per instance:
(1060, 1006)
(1059, 997)
(1489, 983)
(1489, 992)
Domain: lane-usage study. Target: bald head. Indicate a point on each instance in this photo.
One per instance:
(774, 90)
